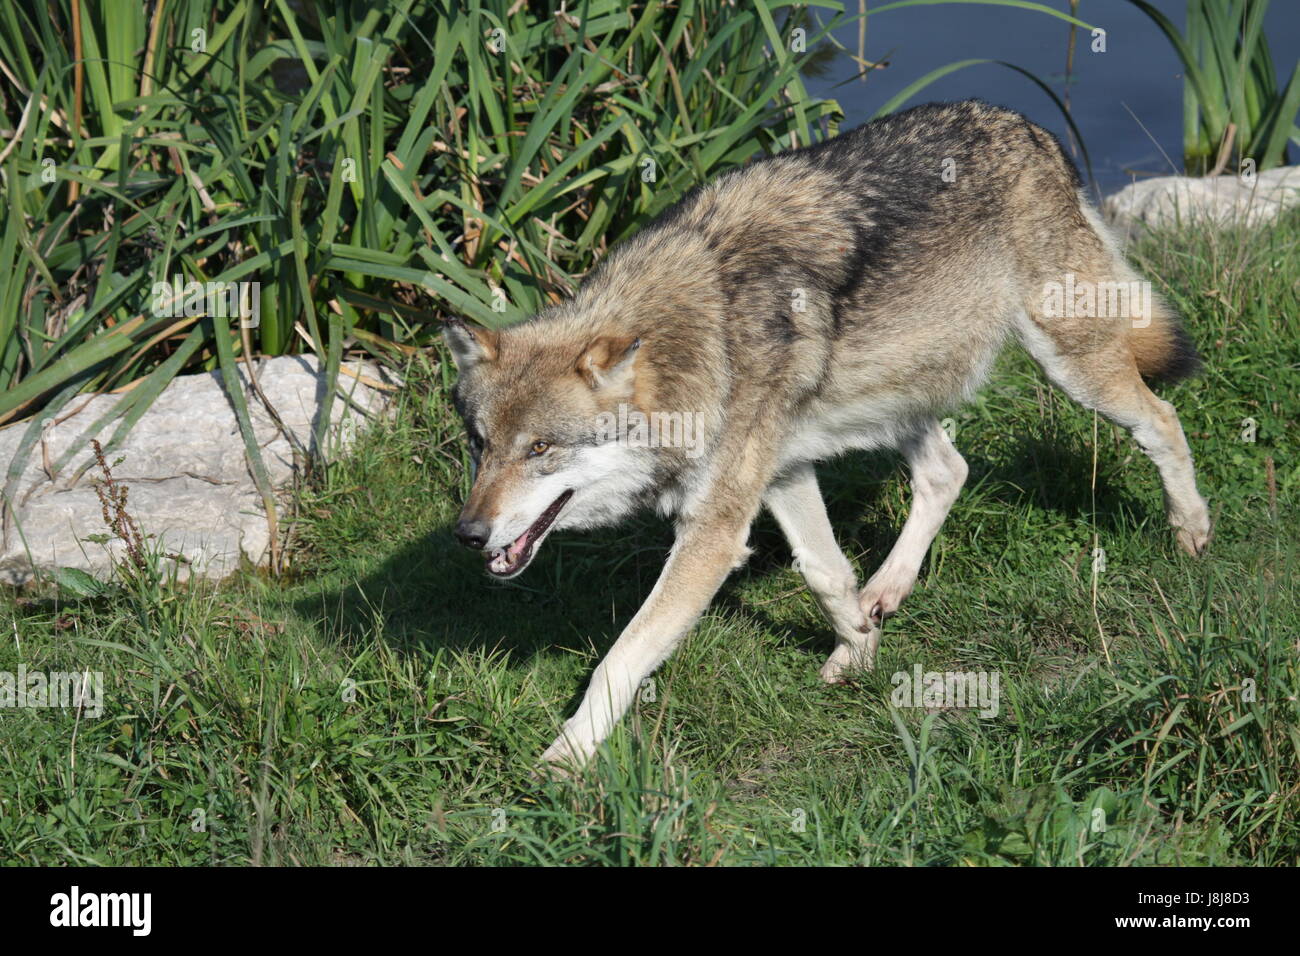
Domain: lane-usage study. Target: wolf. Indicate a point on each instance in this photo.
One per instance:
(837, 297)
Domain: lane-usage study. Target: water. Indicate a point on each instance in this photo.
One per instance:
(1127, 102)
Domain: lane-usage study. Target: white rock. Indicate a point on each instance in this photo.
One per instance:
(1221, 200)
(191, 488)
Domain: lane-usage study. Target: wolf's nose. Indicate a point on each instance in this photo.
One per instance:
(472, 534)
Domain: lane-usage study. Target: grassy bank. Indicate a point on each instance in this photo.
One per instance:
(385, 703)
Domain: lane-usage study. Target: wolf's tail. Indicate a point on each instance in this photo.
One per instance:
(1163, 350)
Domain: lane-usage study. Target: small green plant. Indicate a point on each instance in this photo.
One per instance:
(145, 574)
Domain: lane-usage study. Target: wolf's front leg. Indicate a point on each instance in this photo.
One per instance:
(701, 559)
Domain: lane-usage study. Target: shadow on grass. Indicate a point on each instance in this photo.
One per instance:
(583, 589)
(431, 592)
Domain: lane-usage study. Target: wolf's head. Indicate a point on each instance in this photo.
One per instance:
(537, 399)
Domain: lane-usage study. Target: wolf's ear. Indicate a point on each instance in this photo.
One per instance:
(469, 344)
(608, 362)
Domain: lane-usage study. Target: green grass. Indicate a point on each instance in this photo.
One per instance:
(385, 703)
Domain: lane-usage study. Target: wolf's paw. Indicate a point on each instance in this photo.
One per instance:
(832, 672)
(844, 660)
(547, 771)
(1193, 535)
(563, 758)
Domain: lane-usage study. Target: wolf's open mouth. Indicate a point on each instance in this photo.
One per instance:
(507, 562)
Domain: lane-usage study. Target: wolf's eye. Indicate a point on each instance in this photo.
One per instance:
(539, 448)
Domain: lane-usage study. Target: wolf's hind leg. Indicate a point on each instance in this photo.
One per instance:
(938, 473)
(1104, 377)
(796, 503)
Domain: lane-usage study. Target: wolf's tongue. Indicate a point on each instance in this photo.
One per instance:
(520, 543)
(510, 555)
(506, 560)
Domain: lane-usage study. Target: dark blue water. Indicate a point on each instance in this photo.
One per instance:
(1127, 102)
